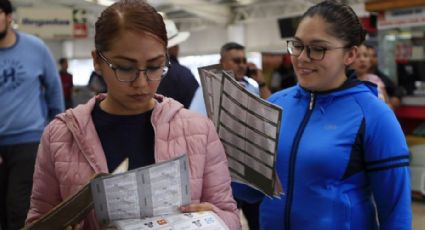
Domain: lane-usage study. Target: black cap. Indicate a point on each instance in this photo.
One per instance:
(6, 6)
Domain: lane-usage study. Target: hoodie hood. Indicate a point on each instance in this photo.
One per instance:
(164, 110)
(80, 124)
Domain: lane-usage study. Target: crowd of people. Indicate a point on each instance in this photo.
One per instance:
(342, 157)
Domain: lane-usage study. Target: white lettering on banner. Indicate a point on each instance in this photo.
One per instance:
(402, 18)
(51, 23)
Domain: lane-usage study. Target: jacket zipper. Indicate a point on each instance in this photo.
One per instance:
(292, 159)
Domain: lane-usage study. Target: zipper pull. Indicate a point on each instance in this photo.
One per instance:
(311, 101)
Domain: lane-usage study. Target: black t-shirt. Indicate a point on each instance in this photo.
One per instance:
(124, 136)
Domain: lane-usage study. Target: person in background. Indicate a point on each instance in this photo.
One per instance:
(179, 84)
(130, 121)
(67, 82)
(30, 95)
(232, 58)
(394, 92)
(96, 83)
(342, 157)
(361, 67)
(283, 77)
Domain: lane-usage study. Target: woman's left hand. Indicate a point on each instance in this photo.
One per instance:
(204, 206)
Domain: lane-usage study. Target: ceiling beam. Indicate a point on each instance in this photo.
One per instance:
(217, 13)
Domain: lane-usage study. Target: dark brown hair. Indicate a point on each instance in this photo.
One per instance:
(343, 21)
(129, 15)
(6, 6)
(230, 46)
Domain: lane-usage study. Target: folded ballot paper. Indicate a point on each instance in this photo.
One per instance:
(149, 191)
(248, 127)
(183, 221)
(143, 198)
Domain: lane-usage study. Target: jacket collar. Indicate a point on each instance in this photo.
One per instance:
(324, 98)
(80, 124)
(351, 86)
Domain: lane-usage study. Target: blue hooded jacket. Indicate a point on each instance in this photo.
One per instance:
(341, 154)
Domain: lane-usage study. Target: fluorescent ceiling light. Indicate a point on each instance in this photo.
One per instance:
(102, 2)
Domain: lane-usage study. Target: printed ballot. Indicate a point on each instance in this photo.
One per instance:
(149, 191)
(143, 198)
(248, 127)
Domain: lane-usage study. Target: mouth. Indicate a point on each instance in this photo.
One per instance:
(305, 71)
(140, 96)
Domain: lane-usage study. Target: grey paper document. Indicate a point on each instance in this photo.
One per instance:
(248, 127)
(149, 191)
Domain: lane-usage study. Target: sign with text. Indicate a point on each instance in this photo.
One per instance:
(80, 23)
(46, 23)
(400, 18)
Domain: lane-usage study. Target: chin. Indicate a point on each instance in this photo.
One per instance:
(308, 85)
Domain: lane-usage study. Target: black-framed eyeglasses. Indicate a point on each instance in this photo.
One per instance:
(316, 53)
(130, 74)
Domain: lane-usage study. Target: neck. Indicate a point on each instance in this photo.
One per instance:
(112, 107)
(9, 40)
(338, 82)
(361, 76)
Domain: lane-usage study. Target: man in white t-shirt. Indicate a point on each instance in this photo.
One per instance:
(233, 59)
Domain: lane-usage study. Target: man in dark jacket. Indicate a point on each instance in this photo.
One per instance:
(179, 83)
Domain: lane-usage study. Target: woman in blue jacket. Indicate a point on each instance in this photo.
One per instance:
(342, 157)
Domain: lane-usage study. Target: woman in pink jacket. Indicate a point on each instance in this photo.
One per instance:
(130, 121)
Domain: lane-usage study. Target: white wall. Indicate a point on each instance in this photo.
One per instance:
(55, 47)
(205, 41)
(257, 36)
(263, 35)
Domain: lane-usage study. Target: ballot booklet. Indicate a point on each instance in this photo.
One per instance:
(150, 194)
(183, 221)
(159, 189)
(248, 127)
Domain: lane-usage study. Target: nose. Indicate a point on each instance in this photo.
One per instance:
(141, 80)
(304, 55)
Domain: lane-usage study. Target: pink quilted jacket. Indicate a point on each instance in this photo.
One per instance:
(70, 153)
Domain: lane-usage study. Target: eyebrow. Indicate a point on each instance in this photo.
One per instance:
(315, 41)
(135, 61)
